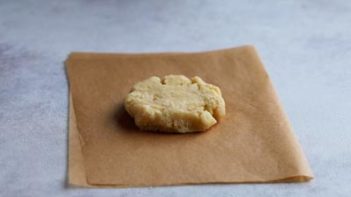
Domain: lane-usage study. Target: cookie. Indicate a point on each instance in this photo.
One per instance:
(175, 104)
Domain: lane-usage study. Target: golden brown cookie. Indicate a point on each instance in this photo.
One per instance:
(175, 104)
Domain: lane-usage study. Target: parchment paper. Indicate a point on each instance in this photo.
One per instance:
(254, 142)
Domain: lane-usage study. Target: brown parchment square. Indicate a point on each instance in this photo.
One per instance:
(253, 143)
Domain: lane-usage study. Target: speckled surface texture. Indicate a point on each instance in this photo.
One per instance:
(305, 45)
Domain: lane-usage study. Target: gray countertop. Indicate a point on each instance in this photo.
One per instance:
(305, 46)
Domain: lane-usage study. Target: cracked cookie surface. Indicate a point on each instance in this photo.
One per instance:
(175, 104)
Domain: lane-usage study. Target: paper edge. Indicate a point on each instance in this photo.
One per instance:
(76, 168)
(80, 54)
(306, 166)
(288, 180)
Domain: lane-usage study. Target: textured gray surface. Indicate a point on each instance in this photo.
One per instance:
(305, 45)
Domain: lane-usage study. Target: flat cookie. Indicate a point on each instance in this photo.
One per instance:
(175, 104)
